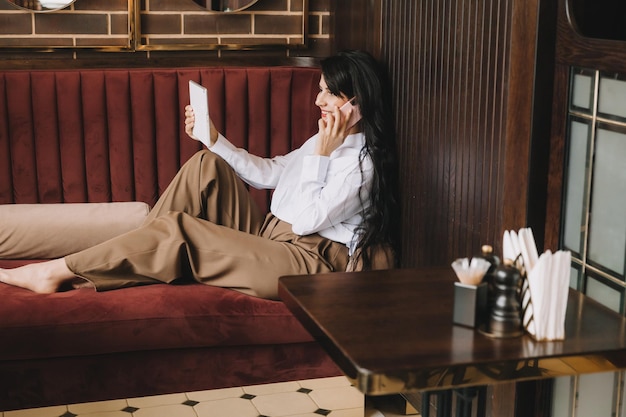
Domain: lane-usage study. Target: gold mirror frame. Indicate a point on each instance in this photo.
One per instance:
(41, 5)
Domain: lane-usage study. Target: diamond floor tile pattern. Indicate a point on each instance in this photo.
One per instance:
(333, 397)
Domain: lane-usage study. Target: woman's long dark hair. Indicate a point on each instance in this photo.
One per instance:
(357, 74)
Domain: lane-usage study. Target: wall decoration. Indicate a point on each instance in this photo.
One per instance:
(158, 25)
(221, 24)
(64, 24)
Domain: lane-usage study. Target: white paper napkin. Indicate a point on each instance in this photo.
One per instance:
(545, 289)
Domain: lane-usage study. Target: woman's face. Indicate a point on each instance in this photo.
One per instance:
(327, 101)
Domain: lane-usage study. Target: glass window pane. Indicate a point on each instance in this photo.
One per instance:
(562, 397)
(595, 395)
(607, 224)
(604, 294)
(612, 97)
(577, 164)
(582, 91)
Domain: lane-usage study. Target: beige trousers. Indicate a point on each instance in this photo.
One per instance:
(207, 228)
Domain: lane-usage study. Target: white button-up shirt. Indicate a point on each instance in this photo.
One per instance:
(315, 194)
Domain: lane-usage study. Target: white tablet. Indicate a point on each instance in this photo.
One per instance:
(199, 100)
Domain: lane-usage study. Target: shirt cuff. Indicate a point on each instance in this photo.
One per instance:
(222, 146)
(314, 168)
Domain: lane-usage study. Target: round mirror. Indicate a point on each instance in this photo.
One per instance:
(600, 19)
(225, 5)
(41, 5)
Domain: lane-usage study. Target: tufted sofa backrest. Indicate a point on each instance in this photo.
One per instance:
(118, 135)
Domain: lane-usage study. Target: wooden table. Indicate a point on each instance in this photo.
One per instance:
(392, 332)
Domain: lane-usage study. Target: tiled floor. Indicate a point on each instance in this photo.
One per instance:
(333, 397)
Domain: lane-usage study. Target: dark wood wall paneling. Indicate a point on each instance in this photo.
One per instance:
(449, 62)
(464, 86)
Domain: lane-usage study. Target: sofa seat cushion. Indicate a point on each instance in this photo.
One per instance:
(85, 322)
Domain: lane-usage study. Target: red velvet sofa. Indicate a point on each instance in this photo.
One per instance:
(100, 136)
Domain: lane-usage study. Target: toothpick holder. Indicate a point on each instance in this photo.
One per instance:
(470, 304)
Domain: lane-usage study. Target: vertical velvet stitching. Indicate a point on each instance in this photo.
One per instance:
(118, 135)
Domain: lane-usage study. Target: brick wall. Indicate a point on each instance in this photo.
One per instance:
(180, 25)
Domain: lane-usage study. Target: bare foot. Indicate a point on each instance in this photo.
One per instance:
(44, 278)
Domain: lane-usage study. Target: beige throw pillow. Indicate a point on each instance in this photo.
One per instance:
(46, 231)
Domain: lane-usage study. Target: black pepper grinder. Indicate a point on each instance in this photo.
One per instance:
(505, 318)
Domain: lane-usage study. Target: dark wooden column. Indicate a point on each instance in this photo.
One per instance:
(472, 93)
(468, 100)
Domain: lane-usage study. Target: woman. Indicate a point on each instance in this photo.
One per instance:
(334, 205)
